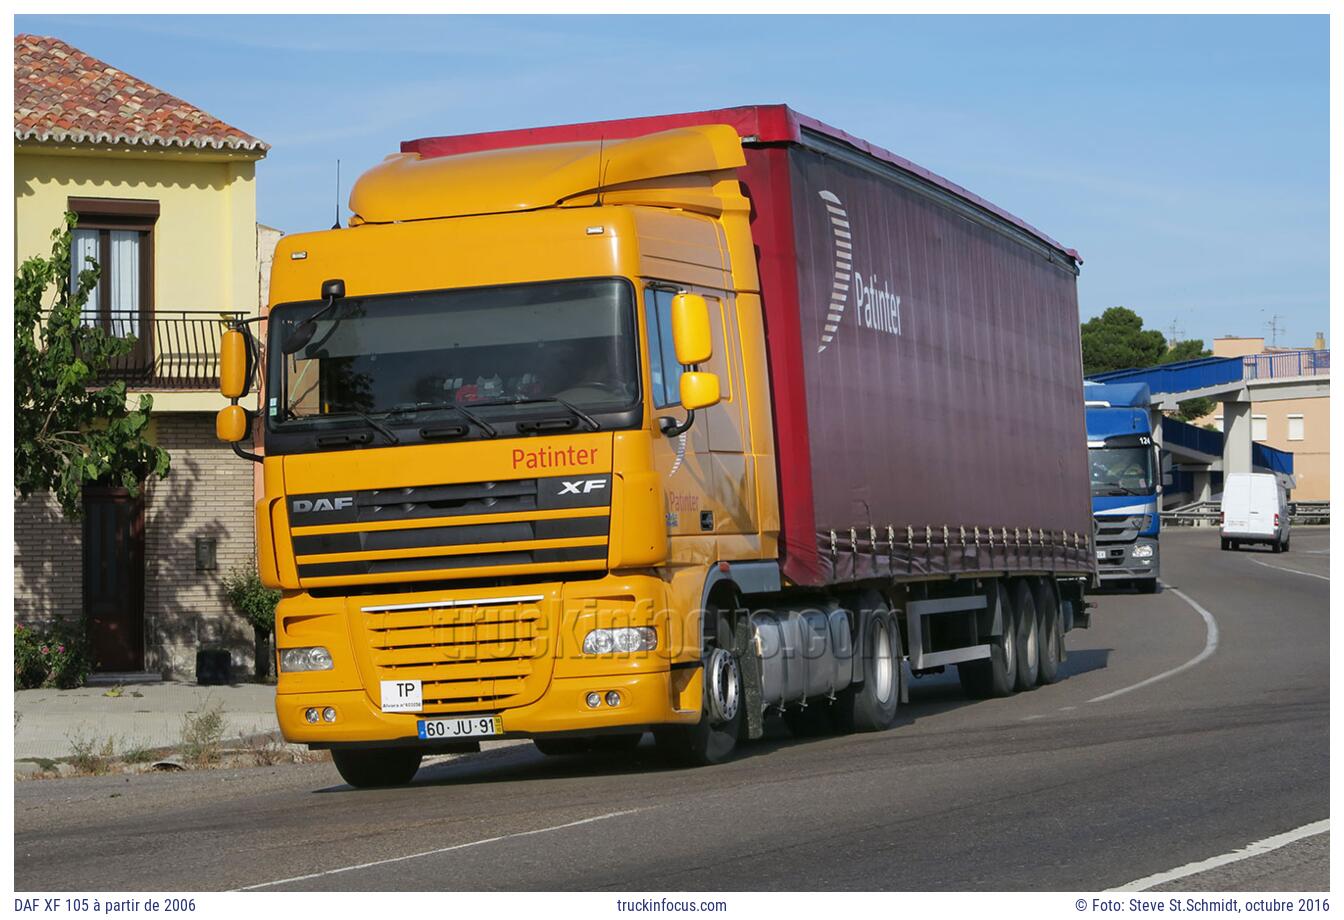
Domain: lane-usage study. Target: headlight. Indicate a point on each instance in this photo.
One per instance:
(313, 658)
(1143, 551)
(628, 639)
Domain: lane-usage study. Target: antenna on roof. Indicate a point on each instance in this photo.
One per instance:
(337, 225)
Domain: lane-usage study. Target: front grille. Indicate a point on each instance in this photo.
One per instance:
(1120, 528)
(468, 655)
(452, 530)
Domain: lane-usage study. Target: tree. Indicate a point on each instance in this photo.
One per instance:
(69, 431)
(1116, 340)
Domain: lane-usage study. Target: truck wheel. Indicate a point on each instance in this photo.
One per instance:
(596, 744)
(1047, 606)
(714, 739)
(1028, 635)
(365, 769)
(871, 706)
(1286, 542)
(1278, 547)
(1227, 544)
(996, 675)
(1146, 585)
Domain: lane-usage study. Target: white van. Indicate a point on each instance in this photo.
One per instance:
(1255, 510)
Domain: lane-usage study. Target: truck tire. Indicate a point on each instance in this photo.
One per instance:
(872, 705)
(1146, 585)
(1028, 635)
(1227, 544)
(996, 675)
(1052, 637)
(714, 738)
(370, 768)
(594, 744)
(1286, 542)
(1278, 546)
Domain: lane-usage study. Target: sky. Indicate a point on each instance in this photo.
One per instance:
(1185, 157)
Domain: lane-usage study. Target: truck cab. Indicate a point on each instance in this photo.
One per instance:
(1125, 484)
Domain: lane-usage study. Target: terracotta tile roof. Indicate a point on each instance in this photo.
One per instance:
(63, 94)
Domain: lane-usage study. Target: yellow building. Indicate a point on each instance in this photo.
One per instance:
(166, 199)
(1301, 426)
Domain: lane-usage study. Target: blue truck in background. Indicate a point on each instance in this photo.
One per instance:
(1126, 483)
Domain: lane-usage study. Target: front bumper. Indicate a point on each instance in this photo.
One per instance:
(1120, 563)
(648, 699)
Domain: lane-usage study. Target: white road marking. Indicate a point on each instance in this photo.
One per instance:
(1210, 646)
(459, 846)
(1294, 571)
(1258, 848)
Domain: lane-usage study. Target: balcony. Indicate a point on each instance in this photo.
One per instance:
(174, 349)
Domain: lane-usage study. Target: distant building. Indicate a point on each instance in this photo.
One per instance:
(166, 199)
(1301, 426)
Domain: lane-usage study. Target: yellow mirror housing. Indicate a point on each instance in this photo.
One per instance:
(690, 329)
(232, 364)
(231, 424)
(699, 390)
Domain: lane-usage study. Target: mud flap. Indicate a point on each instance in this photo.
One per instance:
(744, 646)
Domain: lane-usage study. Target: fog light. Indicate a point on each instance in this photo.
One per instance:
(311, 715)
(312, 658)
(626, 639)
(1143, 551)
(328, 715)
(594, 699)
(613, 698)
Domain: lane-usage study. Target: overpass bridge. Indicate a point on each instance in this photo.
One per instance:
(1236, 383)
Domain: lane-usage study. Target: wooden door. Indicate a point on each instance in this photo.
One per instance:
(114, 578)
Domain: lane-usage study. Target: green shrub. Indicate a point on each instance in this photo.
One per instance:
(252, 599)
(55, 656)
(202, 735)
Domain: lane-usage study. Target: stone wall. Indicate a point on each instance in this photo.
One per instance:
(48, 567)
(207, 496)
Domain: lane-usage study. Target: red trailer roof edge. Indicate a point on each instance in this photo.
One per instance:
(767, 124)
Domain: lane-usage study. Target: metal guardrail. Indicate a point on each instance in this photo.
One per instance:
(174, 349)
(1210, 513)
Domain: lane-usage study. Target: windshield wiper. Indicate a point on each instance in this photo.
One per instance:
(1122, 490)
(371, 422)
(523, 400)
(412, 408)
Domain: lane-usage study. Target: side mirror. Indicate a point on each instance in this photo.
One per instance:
(699, 390)
(231, 424)
(690, 329)
(233, 361)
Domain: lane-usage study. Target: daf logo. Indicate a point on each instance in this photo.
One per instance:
(304, 505)
(581, 486)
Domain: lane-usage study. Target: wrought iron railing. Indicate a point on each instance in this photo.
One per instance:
(174, 349)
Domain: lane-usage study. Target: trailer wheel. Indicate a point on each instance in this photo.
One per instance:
(369, 768)
(996, 675)
(714, 739)
(871, 706)
(1028, 635)
(1047, 607)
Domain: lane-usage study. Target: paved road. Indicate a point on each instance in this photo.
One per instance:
(1071, 787)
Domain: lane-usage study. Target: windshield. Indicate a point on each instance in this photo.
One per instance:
(517, 347)
(1121, 470)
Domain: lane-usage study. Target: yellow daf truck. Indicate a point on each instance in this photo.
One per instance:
(660, 425)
